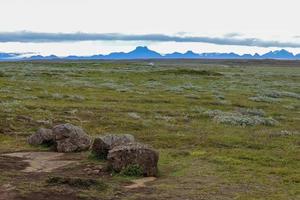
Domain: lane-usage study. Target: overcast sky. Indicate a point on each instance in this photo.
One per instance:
(85, 27)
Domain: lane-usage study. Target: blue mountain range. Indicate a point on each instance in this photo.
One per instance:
(145, 53)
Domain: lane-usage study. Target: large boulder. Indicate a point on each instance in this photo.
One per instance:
(42, 136)
(70, 138)
(134, 154)
(103, 144)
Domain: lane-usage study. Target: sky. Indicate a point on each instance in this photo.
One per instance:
(87, 27)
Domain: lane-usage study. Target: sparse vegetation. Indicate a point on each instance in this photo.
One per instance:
(76, 182)
(192, 72)
(224, 129)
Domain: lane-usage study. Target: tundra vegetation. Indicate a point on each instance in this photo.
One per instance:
(223, 129)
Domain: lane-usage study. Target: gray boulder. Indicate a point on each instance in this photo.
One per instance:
(70, 138)
(42, 136)
(103, 144)
(127, 155)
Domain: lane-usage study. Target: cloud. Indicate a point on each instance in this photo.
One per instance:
(35, 37)
(233, 35)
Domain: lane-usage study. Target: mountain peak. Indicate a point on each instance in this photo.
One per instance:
(142, 52)
(282, 51)
(190, 53)
(279, 54)
(142, 48)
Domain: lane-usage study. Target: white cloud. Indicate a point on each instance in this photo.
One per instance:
(264, 19)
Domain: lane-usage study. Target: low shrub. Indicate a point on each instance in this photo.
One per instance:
(264, 99)
(252, 112)
(2, 74)
(132, 170)
(247, 117)
(274, 96)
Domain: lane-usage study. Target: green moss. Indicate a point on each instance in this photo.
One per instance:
(132, 170)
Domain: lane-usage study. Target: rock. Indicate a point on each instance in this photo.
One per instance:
(134, 115)
(42, 136)
(100, 168)
(70, 138)
(89, 173)
(93, 170)
(102, 145)
(142, 155)
(87, 169)
(96, 171)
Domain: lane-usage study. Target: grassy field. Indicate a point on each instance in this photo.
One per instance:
(224, 129)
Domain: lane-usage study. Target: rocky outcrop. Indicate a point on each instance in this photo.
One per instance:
(70, 138)
(103, 144)
(62, 138)
(42, 136)
(132, 154)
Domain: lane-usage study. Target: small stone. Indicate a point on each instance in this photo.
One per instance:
(87, 169)
(99, 167)
(96, 171)
(134, 115)
(89, 172)
(44, 122)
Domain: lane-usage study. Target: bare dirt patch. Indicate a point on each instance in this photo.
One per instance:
(140, 183)
(40, 161)
(12, 163)
(6, 192)
(47, 195)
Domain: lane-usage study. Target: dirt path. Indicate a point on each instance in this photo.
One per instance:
(41, 161)
(138, 183)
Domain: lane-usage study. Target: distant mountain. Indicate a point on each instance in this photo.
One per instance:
(39, 57)
(143, 52)
(187, 55)
(94, 57)
(138, 53)
(280, 54)
(220, 56)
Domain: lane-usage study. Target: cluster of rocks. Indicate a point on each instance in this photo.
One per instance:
(121, 151)
(63, 138)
